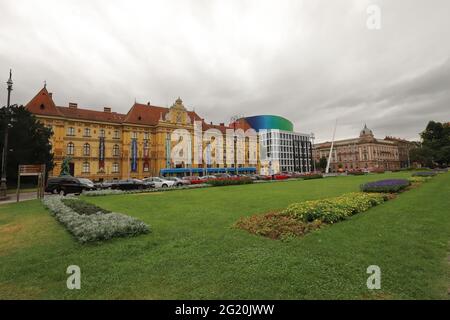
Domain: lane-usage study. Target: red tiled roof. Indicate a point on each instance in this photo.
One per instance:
(240, 124)
(42, 104)
(92, 115)
(149, 115)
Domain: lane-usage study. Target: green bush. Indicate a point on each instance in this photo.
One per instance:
(356, 173)
(332, 210)
(229, 182)
(312, 176)
(83, 207)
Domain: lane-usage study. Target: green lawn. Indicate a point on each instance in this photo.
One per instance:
(194, 253)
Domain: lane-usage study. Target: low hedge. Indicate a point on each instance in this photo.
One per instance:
(229, 182)
(110, 192)
(356, 173)
(312, 176)
(386, 186)
(89, 227)
(424, 174)
(332, 210)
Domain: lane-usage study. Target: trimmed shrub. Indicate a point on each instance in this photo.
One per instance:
(356, 173)
(424, 174)
(276, 226)
(93, 227)
(332, 210)
(83, 207)
(229, 182)
(312, 176)
(418, 179)
(109, 192)
(386, 186)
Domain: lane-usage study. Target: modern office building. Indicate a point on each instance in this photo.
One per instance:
(281, 149)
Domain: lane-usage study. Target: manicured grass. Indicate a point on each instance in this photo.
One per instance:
(193, 251)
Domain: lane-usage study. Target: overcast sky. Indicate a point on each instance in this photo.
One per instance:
(309, 61)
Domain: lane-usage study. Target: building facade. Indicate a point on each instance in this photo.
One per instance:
(365, 153)
(282, 149)
(105, 145)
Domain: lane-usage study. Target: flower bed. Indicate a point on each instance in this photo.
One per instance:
(275, 226)
(386, 186)
(301, 218)
(424, 174)
(109, 192)
(83, 207)
(418, 179)
(332, 210)
(229, 182)
(86, 226)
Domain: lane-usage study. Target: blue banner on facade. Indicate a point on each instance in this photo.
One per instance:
(101, 153)
(134, 155)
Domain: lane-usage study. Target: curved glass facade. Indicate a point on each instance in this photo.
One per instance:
(270, 122)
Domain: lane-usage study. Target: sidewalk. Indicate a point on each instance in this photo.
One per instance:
(23, 197)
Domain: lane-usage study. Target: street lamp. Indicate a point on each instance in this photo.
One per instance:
(3, 186)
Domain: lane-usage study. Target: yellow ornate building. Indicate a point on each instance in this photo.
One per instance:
(105, 145)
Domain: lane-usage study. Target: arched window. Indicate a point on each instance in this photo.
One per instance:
(116, 150)
(86, 149)
(86, 167)
(70, 149)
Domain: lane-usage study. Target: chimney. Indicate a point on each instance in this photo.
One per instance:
(106, 109)
(72, 105)
(222, 124)
(148, 103)
(50, 94)
(210, 123)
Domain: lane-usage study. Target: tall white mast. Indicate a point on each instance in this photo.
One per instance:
(331, 148)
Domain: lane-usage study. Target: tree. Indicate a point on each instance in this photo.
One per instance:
(28, 140)
(322, 164)
(434, 149)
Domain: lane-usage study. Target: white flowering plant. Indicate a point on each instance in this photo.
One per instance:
(94, 227)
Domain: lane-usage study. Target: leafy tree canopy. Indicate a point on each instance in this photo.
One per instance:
(28, 141)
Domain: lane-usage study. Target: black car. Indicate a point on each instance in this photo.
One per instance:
(129, 184)
(68, 184)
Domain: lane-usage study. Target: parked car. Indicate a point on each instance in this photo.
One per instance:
(160, 182)
(128, 184)
(280, 176)
(68, 184)
(105, 184)
(195, 179)
(179, 181)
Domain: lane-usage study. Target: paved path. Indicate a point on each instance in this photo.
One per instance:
(23, 197)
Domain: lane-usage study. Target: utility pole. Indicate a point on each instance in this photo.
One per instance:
(3, 186)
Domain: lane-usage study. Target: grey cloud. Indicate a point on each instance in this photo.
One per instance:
(311, 61)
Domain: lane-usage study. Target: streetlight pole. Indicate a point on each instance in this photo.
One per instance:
(3, 186)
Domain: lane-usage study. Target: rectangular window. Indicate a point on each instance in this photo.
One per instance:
(71, 131)
(87, 132)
